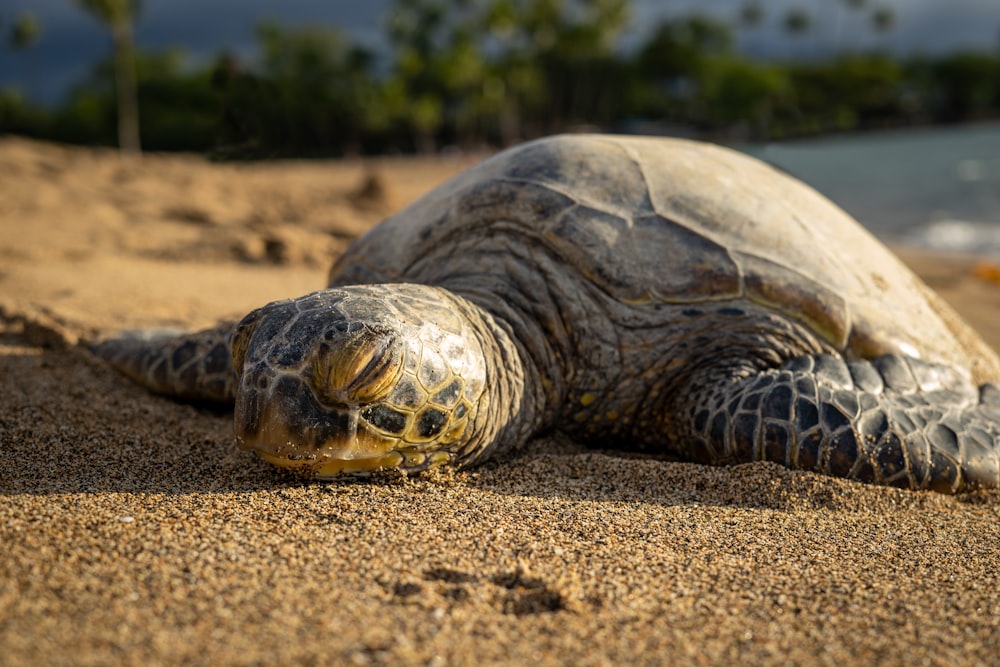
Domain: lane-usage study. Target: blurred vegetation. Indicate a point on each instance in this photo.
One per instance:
(23, 32)
(470, 73)
(118, 16)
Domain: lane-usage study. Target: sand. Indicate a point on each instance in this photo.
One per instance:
(134, 532)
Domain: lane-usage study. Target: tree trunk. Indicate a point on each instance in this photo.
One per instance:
(125, 87)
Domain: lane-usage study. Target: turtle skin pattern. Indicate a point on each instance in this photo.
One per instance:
(344, 378)
(891, 420)
(194, 366)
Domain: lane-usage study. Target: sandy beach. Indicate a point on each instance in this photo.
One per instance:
(134, 532)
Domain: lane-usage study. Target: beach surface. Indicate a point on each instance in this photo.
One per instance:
(133, 531)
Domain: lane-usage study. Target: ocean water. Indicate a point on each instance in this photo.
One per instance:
(935, 188)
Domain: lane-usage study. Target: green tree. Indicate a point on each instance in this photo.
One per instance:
(965, 86)
(16, 114)
(315, 89)
(797, 22)
(583, 81)
(883, 19)
(852, 92)
(741, 95)
(681, 47)
(24, 32)
(118, 16)
(505, 68)
(751, 14)
(749, 20)
(672, 65)
(177, 103)
(436, 63)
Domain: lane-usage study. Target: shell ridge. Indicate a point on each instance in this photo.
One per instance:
(795, 294)
(637, 160)
(577, 198)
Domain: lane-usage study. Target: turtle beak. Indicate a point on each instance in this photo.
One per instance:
(283, 422)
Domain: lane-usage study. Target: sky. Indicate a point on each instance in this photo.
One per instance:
(71, 41)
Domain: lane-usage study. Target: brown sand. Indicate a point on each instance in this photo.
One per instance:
(134, 532)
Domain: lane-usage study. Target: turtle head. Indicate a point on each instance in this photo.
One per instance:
(357, 379)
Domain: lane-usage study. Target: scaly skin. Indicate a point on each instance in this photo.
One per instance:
(194, 366)
(892, 420)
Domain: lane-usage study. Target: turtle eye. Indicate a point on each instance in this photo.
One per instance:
(358, 368)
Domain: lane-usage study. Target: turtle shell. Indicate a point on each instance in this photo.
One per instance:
(676, 221)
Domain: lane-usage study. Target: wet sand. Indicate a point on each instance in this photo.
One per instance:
(134, 532)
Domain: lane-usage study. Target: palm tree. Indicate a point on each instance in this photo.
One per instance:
(797, 23)
(883, 19)
(118, 16)
(751, 14)
(24, 32)
(750, 17)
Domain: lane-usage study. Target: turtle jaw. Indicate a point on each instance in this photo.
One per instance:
(333, 468)
(322, 442)
(326, 460)
(321, 467)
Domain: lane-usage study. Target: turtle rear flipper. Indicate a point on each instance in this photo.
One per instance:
(893, 420)
(195, 366)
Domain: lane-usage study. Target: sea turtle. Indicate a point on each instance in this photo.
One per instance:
(650, 293)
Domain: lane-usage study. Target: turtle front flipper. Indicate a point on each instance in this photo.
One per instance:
(195, 366)
(892, 420)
